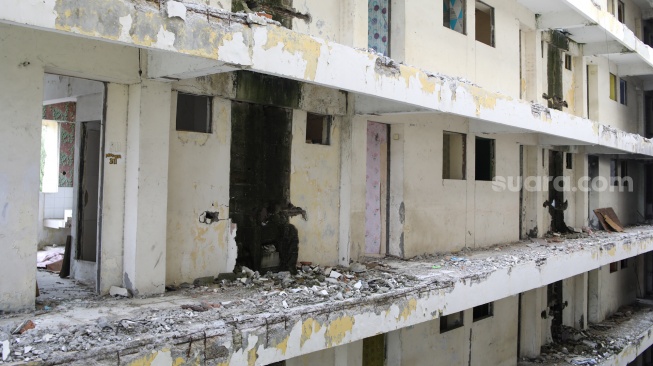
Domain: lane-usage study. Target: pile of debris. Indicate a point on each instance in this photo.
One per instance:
(598, 343)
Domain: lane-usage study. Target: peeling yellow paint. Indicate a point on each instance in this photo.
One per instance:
(337, 330)
(147, 360)
(297, 43)
(483, 99)
(408, 309)
(283, 346)
(309, 326)
(251, 357)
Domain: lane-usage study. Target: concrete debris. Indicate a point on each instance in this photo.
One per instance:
(334, 274)
(600, 341)
(24, 327)
(176, 9)
(247, 294)
(118, 291)
(6, 351)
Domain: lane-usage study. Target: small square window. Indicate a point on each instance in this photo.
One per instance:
(614, 267)
(484, 23)
(568, 61)
(453, 155)
(613, 87)
(193, 113)
(451, 322)
(453, 15)
(485, 160)
(483, 311)
(318, 129)
(569, 160)
(623, 91)
(624, 263)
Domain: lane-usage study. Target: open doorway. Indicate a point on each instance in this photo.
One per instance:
(593, 195)
(70, 179)
(557, 203)
(377, 185)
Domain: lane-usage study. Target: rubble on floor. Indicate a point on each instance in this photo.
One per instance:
(600, 341)
(101, 324)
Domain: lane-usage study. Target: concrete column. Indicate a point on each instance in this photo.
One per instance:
(356, 194)
(146, 187)
(470, 232)
(532, 66)
(350, 354)
(393, 348)
(533, 223)
(397, 207)
(21, 101)
(594, 296)
(353, 23)
(530, 324)
(580, 301)
(113, 188)
(344, 239)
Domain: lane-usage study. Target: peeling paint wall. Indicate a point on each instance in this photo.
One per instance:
(198, 181)
(490, 341)
(315, 187)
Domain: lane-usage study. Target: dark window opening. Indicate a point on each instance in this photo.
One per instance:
(624, 263)
(318, 129)
(621, 12)
(374, 351)
(613, 172)
(193, 113)
(451, 322)
(454, 15)
(623, 172)
(623, 91)
(484, 23)
(569, 160)
(485, 160)
(483, 311)
(614, 267)
(453, 155)
(568, 61)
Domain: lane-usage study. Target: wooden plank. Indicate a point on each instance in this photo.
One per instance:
(608, 219)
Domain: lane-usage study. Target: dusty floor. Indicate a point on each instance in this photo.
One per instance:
(100, 323)
(54, 289)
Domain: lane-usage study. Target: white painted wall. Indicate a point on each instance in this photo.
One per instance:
(350, 355)
(625, 204)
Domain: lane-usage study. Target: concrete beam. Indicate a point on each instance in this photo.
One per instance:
(635, 70)
(171, 65)
(603, 48)
(251, 42)
(560, 20)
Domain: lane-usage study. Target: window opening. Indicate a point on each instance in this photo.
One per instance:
(569, 160)
(614, 267)
(483, 311)
(484, 23)
(485, 159)
(193, 113)
(318, 128)
(623, 91)
(451, 322)
(613, 87)
(454, 155)
(454, 15)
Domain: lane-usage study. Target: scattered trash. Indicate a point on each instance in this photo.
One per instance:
(24, 327)
(436, 266)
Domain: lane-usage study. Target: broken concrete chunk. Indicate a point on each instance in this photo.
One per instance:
(334, 274)
(285, 304)
(226, 276)
(5, 350)
(358, 285)
(357, 267)
(176, 9)
(247, 271)
(118, 291)
(203, 281)
(323, 293)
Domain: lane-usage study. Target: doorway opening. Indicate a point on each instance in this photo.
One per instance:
(556, 203)
(593, 196)
(261, 138)
(377, 185)
(70, 181)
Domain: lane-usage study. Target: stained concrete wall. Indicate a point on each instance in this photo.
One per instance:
(625, 204)
(616, 289)
(198, 178)
(314, 186)
(426, 43)
(489, 341)
(350, 355)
